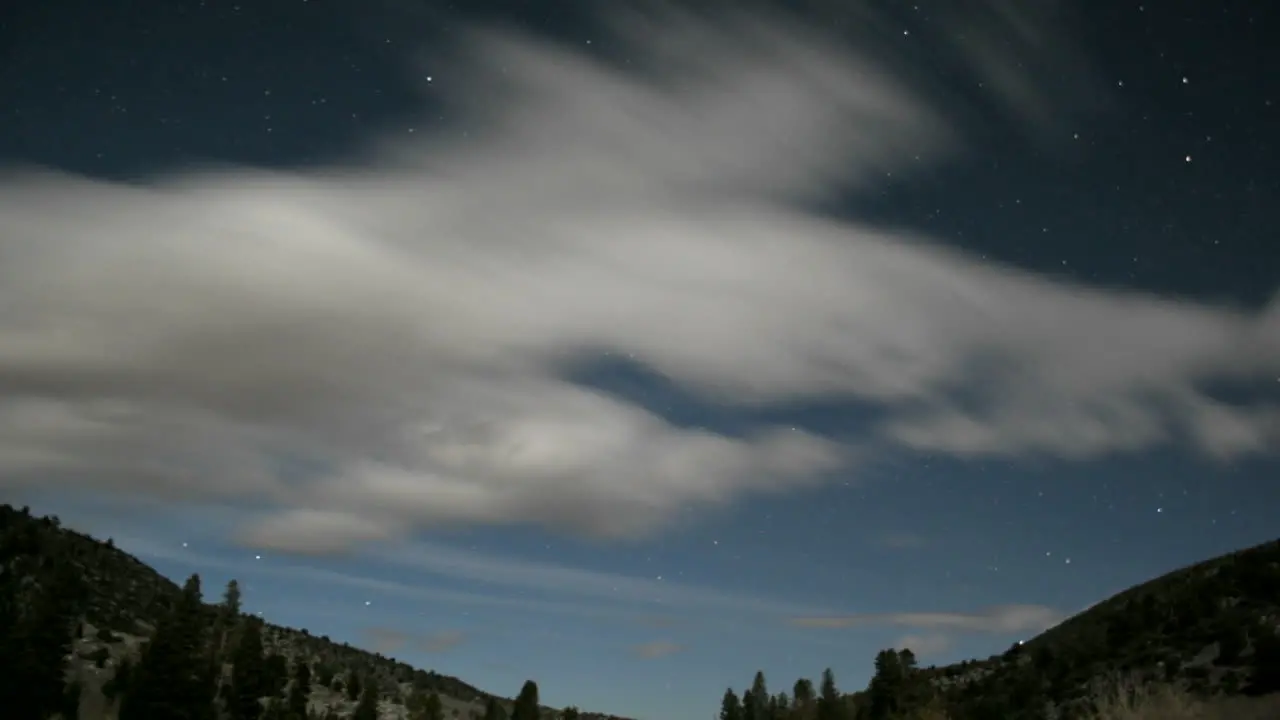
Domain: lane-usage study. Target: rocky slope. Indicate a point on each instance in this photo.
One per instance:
(1213, 628)
(125, 598)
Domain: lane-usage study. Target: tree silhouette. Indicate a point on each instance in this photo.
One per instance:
(730, 706)
(526, 707)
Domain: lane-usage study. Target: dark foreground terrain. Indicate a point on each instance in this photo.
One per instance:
(1199, 642)
(88, 631)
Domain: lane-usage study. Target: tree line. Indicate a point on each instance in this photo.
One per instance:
(201, 662)
(895, 688)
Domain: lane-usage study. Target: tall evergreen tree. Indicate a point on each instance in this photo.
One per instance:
(760, 698)
(493, 710)
(888, 692)
(367, 707)
(803, 695)
(354, 686)
(300, 690)
(830, 704)
(247, 678)
(275, 673)
(433, 709)
(171, 680)
(39, 639)
(226, 622)
(730, 706)
(231, 600)
(526, 706)
(776, 706)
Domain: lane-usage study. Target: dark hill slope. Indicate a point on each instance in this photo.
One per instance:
(1212, 627)
(123, 599)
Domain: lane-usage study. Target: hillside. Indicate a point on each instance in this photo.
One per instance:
(1210, 627)
(1205, 638)
(109, 605)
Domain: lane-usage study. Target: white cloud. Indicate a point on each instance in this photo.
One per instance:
(376, 349)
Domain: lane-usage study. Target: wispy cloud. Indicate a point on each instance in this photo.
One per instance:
(541, 587)
(424, 591)
(998, 619)
(440, 642)
(371, 350)
(925, 646)
(902, 541)
(390, 640)
(385, 640)
(556, 579)
(656, 649)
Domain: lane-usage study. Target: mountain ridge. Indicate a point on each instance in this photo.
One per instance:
(125, 599)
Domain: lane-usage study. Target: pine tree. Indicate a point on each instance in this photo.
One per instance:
(247, 676)
(802, 692)
(353, 686)
(38, 642)
(730, 706)
(275, 673)
(367, 707)
(570, 713)
(433, 709)
(226, 623)
(300, 690)
(493, 710)
(171, 680)
(888, 692)
(830, 704)
(760, 698)
(231, 600)
(526, 707)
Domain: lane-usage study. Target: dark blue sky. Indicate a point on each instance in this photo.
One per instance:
(782, 453)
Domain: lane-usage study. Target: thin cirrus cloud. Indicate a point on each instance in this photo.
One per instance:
(926, 645)
(491, 579)
(656, 649)
(377, 349)
(1001, 619)
(390, 640)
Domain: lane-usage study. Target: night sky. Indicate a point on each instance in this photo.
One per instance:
(636, 351)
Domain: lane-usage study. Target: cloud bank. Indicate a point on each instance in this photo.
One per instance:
(374, 349)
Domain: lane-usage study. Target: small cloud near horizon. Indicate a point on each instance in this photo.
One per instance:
(903, 541)
(925, 646)
(388, 640)
(998, 619)
(656, 649)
